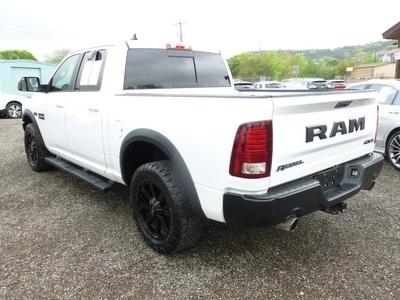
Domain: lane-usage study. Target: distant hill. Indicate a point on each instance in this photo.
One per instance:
(347, 52)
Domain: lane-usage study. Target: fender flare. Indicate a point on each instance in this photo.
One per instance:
(157, 139)
(29, 114)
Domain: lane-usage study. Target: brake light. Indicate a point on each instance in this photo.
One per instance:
(252, 150)
(178, 46)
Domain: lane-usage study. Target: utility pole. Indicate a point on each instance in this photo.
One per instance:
(180, 29)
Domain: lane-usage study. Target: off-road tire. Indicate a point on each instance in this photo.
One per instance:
(35, 149)
(161, 208)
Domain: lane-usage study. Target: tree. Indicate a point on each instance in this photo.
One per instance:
(370, 58)
(57, 56)
(344, 64)
(287, 65)
(235, 62)
(332, 62)
(17, 54)
(288, 61)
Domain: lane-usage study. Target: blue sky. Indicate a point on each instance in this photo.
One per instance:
(43, 26)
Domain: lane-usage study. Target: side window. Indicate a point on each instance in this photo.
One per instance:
(211, 70)
(358, 87)
(61, 80)
(386, 93)
(147, 69)
(91, 71)
(396, 100)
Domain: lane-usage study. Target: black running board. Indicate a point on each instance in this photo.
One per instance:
(80, 174)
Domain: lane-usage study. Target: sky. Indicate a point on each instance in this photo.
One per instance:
(45, 26)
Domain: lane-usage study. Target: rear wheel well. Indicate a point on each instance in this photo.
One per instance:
(143, 146)
(137, 154)
(14, 101)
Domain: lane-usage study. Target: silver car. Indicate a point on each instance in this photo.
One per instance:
(388, 139)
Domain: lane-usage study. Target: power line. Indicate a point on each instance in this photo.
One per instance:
(30, 34)
(180, 29)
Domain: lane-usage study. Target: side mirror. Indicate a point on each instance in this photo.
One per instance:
(29, 84)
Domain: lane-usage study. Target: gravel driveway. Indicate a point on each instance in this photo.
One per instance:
(62, 239)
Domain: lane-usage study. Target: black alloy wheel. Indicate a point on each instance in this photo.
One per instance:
(35, 150)
(161, 209)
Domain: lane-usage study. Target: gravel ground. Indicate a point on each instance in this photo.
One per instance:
(62, 239)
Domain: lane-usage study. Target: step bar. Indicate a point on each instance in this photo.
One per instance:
(79, 173)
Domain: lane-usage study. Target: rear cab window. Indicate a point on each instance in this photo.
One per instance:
(162, 68)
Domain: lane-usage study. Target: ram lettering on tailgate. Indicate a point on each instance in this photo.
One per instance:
(338, 127)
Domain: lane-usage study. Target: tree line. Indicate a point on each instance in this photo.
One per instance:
(324, 63)
(55, 58)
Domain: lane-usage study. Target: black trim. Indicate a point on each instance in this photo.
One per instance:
(300, 197)
(160, 141)
(274, 93)
(98, 182)
(29, 114)
(32, 117)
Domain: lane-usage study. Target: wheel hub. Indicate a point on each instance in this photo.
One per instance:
(154, 206)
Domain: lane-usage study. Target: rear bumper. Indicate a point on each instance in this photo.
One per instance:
(303, 196)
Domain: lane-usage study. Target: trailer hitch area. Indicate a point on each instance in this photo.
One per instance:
(337, 208)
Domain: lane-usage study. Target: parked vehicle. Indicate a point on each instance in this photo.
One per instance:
(316, 85)
(388, 138)
(294, 86)
(267, 85)
(243, 86)
(337, 84)
(166, 121)
(11, 105)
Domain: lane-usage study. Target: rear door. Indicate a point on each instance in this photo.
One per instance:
(315, 131)
(84, 112)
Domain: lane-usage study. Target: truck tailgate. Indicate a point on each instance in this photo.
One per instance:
(316, 132)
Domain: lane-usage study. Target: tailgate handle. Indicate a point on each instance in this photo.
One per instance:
(343, 104)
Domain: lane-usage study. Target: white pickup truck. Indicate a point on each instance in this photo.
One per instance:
(166, 121)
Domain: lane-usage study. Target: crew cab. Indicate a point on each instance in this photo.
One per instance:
(166, 121)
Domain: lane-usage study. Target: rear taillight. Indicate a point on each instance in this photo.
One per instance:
(252, 150)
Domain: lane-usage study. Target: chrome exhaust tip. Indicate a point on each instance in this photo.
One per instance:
(290, 224)
(369, 186)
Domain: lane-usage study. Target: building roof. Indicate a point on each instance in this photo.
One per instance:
(23, 62)
(374, 65)
(392, 33)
